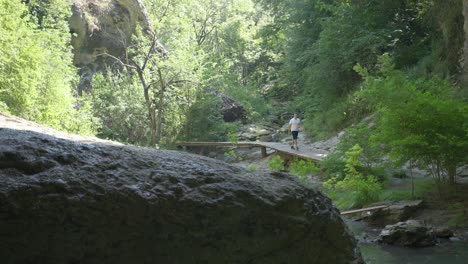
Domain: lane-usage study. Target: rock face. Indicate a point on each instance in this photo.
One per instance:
(103, 26)
(230, 109)
(410, 234)
(79, 201)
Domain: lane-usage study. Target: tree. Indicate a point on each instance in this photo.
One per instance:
(420, 120)
(36, 71)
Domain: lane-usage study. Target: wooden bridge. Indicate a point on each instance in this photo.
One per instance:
(304, 152)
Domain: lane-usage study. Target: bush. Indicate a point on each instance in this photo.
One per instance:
(302, 168)
(333, 166)
(419, 119)
(362, 189)
(276, 163)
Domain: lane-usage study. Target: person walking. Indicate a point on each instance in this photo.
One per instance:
(294, 126)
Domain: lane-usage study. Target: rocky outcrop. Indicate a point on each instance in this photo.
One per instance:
(103, 27)
(409, 234)
(84, 201)
(230, 109)
(395, 212)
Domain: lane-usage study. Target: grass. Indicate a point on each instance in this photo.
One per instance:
(402, 191)
(422, 186)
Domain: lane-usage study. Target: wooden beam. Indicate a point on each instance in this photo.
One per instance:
(364, 209)
(264, 152)
(220, 144)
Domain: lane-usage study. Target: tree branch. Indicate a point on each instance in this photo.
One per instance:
(118, 60)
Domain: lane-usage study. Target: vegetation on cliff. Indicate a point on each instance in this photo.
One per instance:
(337, 62)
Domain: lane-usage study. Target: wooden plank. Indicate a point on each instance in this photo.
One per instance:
(272, 145)
(220, 144)
(364, 209)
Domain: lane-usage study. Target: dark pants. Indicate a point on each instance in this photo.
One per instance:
(294, 134)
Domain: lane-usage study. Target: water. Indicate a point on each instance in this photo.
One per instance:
(446, 252)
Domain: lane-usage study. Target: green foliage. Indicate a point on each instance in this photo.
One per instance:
(419, 119)
(361, 189)
(423, 186)
(323, 41)
(302, 168)
(460, 218)
(232, 155)
(233, 138)
(36, 71)
(118, 102)
(252, 167)
(333, 166)
(205, 123)
(276, 163)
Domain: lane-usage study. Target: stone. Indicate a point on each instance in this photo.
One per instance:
(256, 133)
(231, 110)
(71, 199)
(442, 232)
(409, 234)
(394, 213)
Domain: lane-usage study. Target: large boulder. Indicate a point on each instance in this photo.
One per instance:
(230, 109)
(409, 234)
(67, 199)
(394, 212)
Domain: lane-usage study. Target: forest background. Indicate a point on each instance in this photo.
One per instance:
(340, 63)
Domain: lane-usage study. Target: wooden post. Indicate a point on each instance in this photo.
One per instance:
(264, 153)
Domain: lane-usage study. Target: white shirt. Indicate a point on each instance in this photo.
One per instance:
(295, 124)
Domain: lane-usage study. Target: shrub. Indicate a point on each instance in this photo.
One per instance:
(276, 163)
(363, 189)
(303, 167)
(419, 119)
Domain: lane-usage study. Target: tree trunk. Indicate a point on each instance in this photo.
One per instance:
(464, 77)
(149, 106)
(451, 173)
(160, 106)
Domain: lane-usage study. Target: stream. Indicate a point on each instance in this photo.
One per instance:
(446, 252)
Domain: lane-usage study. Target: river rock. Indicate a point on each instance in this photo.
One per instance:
(394, 213)
(409, 234)
(67, 199)
(443, 232)
(256, 132)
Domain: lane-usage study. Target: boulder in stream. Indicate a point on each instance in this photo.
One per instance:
(411, 233)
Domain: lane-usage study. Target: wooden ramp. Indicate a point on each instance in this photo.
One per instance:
(303, 153)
